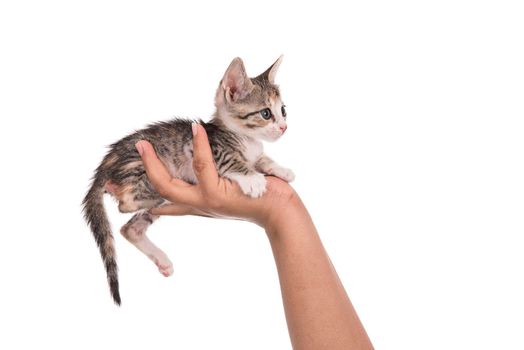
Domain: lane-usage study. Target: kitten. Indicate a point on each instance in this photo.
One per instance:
(248, 110)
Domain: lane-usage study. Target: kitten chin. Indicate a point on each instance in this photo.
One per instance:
(247, 110)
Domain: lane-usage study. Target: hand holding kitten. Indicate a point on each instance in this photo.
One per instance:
(212, 195)
(320, 308)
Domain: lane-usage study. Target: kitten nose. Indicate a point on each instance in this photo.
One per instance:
(283, 128)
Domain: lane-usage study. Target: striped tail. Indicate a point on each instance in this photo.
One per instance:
(96, 217)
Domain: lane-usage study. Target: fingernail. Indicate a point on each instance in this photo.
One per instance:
(139, 147)
(194, 127)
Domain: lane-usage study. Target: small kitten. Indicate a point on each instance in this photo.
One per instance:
(247, 110)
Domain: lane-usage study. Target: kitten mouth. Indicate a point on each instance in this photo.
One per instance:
(275, 137)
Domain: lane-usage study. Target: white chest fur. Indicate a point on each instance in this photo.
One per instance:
(253, 149)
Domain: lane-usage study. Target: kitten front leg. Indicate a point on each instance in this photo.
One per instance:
(252, 184)
(268, 166)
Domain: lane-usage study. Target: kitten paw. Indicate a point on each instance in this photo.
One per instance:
(166, 270)
(165, 266)
(284, 173)
(252, 185)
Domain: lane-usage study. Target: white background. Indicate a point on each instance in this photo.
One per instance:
(405, 132)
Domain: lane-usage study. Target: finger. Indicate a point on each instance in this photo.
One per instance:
(203, 162)
(171, 209)
(165, 185)
(177, 210)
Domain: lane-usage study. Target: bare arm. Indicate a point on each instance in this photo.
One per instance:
(318, 311)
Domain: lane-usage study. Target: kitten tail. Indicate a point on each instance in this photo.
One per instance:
(96, 217)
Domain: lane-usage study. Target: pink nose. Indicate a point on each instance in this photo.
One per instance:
(283, 128)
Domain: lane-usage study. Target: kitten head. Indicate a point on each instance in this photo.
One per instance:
(251, 106)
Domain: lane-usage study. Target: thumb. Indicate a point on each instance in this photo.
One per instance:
(203, 162)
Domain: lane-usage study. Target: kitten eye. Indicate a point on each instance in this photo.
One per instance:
(266, 113)
(283, 109)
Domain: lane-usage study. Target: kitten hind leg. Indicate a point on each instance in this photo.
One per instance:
(135, 232)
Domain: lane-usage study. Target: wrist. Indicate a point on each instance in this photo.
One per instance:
(288, 212)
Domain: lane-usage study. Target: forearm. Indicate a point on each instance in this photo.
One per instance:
(318, 311)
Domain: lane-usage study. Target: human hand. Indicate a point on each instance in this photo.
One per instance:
(318, 310)
(212, 195)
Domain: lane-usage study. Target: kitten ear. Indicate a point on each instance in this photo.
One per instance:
(236, 83)
(270, 73)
